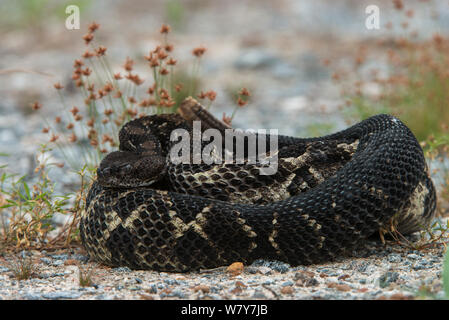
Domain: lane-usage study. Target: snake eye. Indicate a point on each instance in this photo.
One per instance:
(103, 172)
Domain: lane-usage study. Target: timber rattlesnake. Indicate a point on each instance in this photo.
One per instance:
(328, 195)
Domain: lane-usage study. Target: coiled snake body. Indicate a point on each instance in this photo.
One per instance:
(329, 194)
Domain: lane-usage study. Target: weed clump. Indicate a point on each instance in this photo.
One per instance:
(112, 98)
(412, 84)
(23, 268)
(86, 132)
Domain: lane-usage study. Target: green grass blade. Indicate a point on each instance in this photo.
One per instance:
(27, 190)
(446, 274)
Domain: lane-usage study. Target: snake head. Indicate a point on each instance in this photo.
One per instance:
(127, 170)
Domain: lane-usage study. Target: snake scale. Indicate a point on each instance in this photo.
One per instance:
(328, 195)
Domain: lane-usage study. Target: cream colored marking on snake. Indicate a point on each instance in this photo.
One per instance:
(417, 201)
(245, 227)
(249, 231)
(276, 192)
(304, 185)
(135, 214)
(321, 243)
(197, 224)
(315, 225)
(379, 192)
(298, 162)
(114, 219)
(274, 233)
(349, 147)
(114, 222)
(317, 175)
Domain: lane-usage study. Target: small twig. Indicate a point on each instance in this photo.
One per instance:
(8, 71)
(212, 270)
(271, 290)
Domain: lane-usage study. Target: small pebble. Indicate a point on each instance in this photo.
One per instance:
(259, 295)
(287, 290)
(202, 288)
(339, 287)
(235, 269)
(387, 278)
(62, 295)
